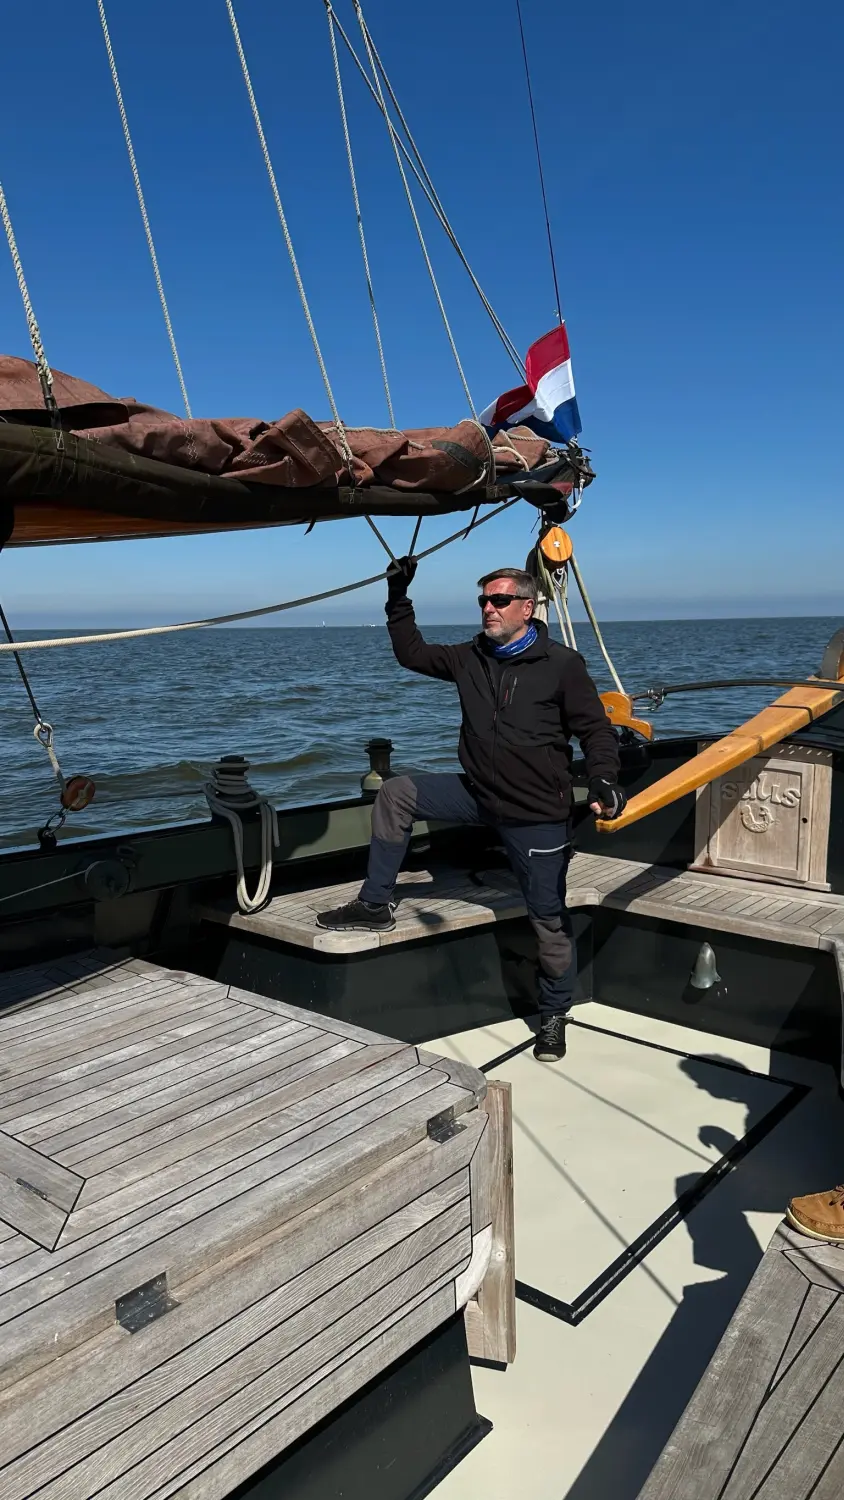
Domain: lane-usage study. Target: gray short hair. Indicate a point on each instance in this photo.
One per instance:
(525, 582)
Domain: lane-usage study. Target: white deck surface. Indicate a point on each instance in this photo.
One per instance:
(603, 1144)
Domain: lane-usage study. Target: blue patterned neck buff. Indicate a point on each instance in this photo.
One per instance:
(515, 648)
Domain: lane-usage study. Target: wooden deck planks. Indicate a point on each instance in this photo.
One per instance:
(384, 1207)
(183, 1103)
(276, 1169)
(259, 1041)
(273, 1172)
(765, 1421)
(435, 904)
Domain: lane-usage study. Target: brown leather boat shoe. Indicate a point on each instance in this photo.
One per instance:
(820, 1215)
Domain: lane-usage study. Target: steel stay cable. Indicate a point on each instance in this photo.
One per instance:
(358, 214)
(539, 161)
(265, 150)
(433, 199)
(245, 614)
(142, 205)
(414, 215)
(300, 285)
(425, 181)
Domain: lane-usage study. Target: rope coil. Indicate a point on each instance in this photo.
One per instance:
(229, 796)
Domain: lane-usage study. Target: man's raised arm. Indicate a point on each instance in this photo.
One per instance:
(410, 648)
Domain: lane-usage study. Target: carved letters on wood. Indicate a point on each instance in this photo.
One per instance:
(769, 817)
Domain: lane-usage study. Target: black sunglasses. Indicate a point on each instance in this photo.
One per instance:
(498, 601)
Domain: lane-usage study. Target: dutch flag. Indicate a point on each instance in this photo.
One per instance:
(547, 403)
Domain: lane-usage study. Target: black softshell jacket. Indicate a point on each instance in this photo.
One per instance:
(518, 717)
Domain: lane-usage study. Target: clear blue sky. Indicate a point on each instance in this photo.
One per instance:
(694, 171)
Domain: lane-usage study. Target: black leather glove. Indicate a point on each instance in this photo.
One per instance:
(610, 795)
(400, 575)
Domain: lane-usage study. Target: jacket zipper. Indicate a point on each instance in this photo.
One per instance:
(496, 694)
(554, 775)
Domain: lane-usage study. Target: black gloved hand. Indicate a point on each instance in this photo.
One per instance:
(609, 795)
(400, 575)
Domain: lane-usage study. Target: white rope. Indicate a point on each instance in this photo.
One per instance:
(230, 796)
(358, 215)
(142, 205)
(552, 590)
(564, 595)
(399, 163)
(45, 374)
(423, 177)
(288, 239)
(242, 614)
(594, 623)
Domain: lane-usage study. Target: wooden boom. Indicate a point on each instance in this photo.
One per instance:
(794, 710)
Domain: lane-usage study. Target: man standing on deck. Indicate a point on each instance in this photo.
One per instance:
(522, 697)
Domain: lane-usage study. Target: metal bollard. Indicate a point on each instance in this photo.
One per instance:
(379, 752)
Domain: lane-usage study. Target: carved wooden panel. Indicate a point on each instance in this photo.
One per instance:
(769, 817)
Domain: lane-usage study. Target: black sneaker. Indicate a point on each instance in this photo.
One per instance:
(551, 1041)
(358, 916)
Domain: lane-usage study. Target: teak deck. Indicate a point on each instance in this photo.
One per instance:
(220, 1216)
(432, 905)
(766, 1420)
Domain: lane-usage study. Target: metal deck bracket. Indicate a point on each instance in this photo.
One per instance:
(135, 1309)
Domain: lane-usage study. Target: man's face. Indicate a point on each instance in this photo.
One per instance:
(504, 622)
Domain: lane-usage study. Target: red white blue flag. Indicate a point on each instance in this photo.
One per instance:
(547, 403)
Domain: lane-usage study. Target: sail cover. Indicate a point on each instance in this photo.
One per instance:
(121, 469)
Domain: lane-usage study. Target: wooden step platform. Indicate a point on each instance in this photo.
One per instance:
(766, 1421)
(220, 1217)
(431, 905)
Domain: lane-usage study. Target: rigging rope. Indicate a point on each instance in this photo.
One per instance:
(423, 177)
(412, 206)
(43, 731)
(287, 237)
(244, 614)
(45, 374)
(358, 215)
(564, 596)
(592, 621)
(539, 161)
(347, 452)
(142, 205)
(61, 880)
(39, 718)
(553, 591)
